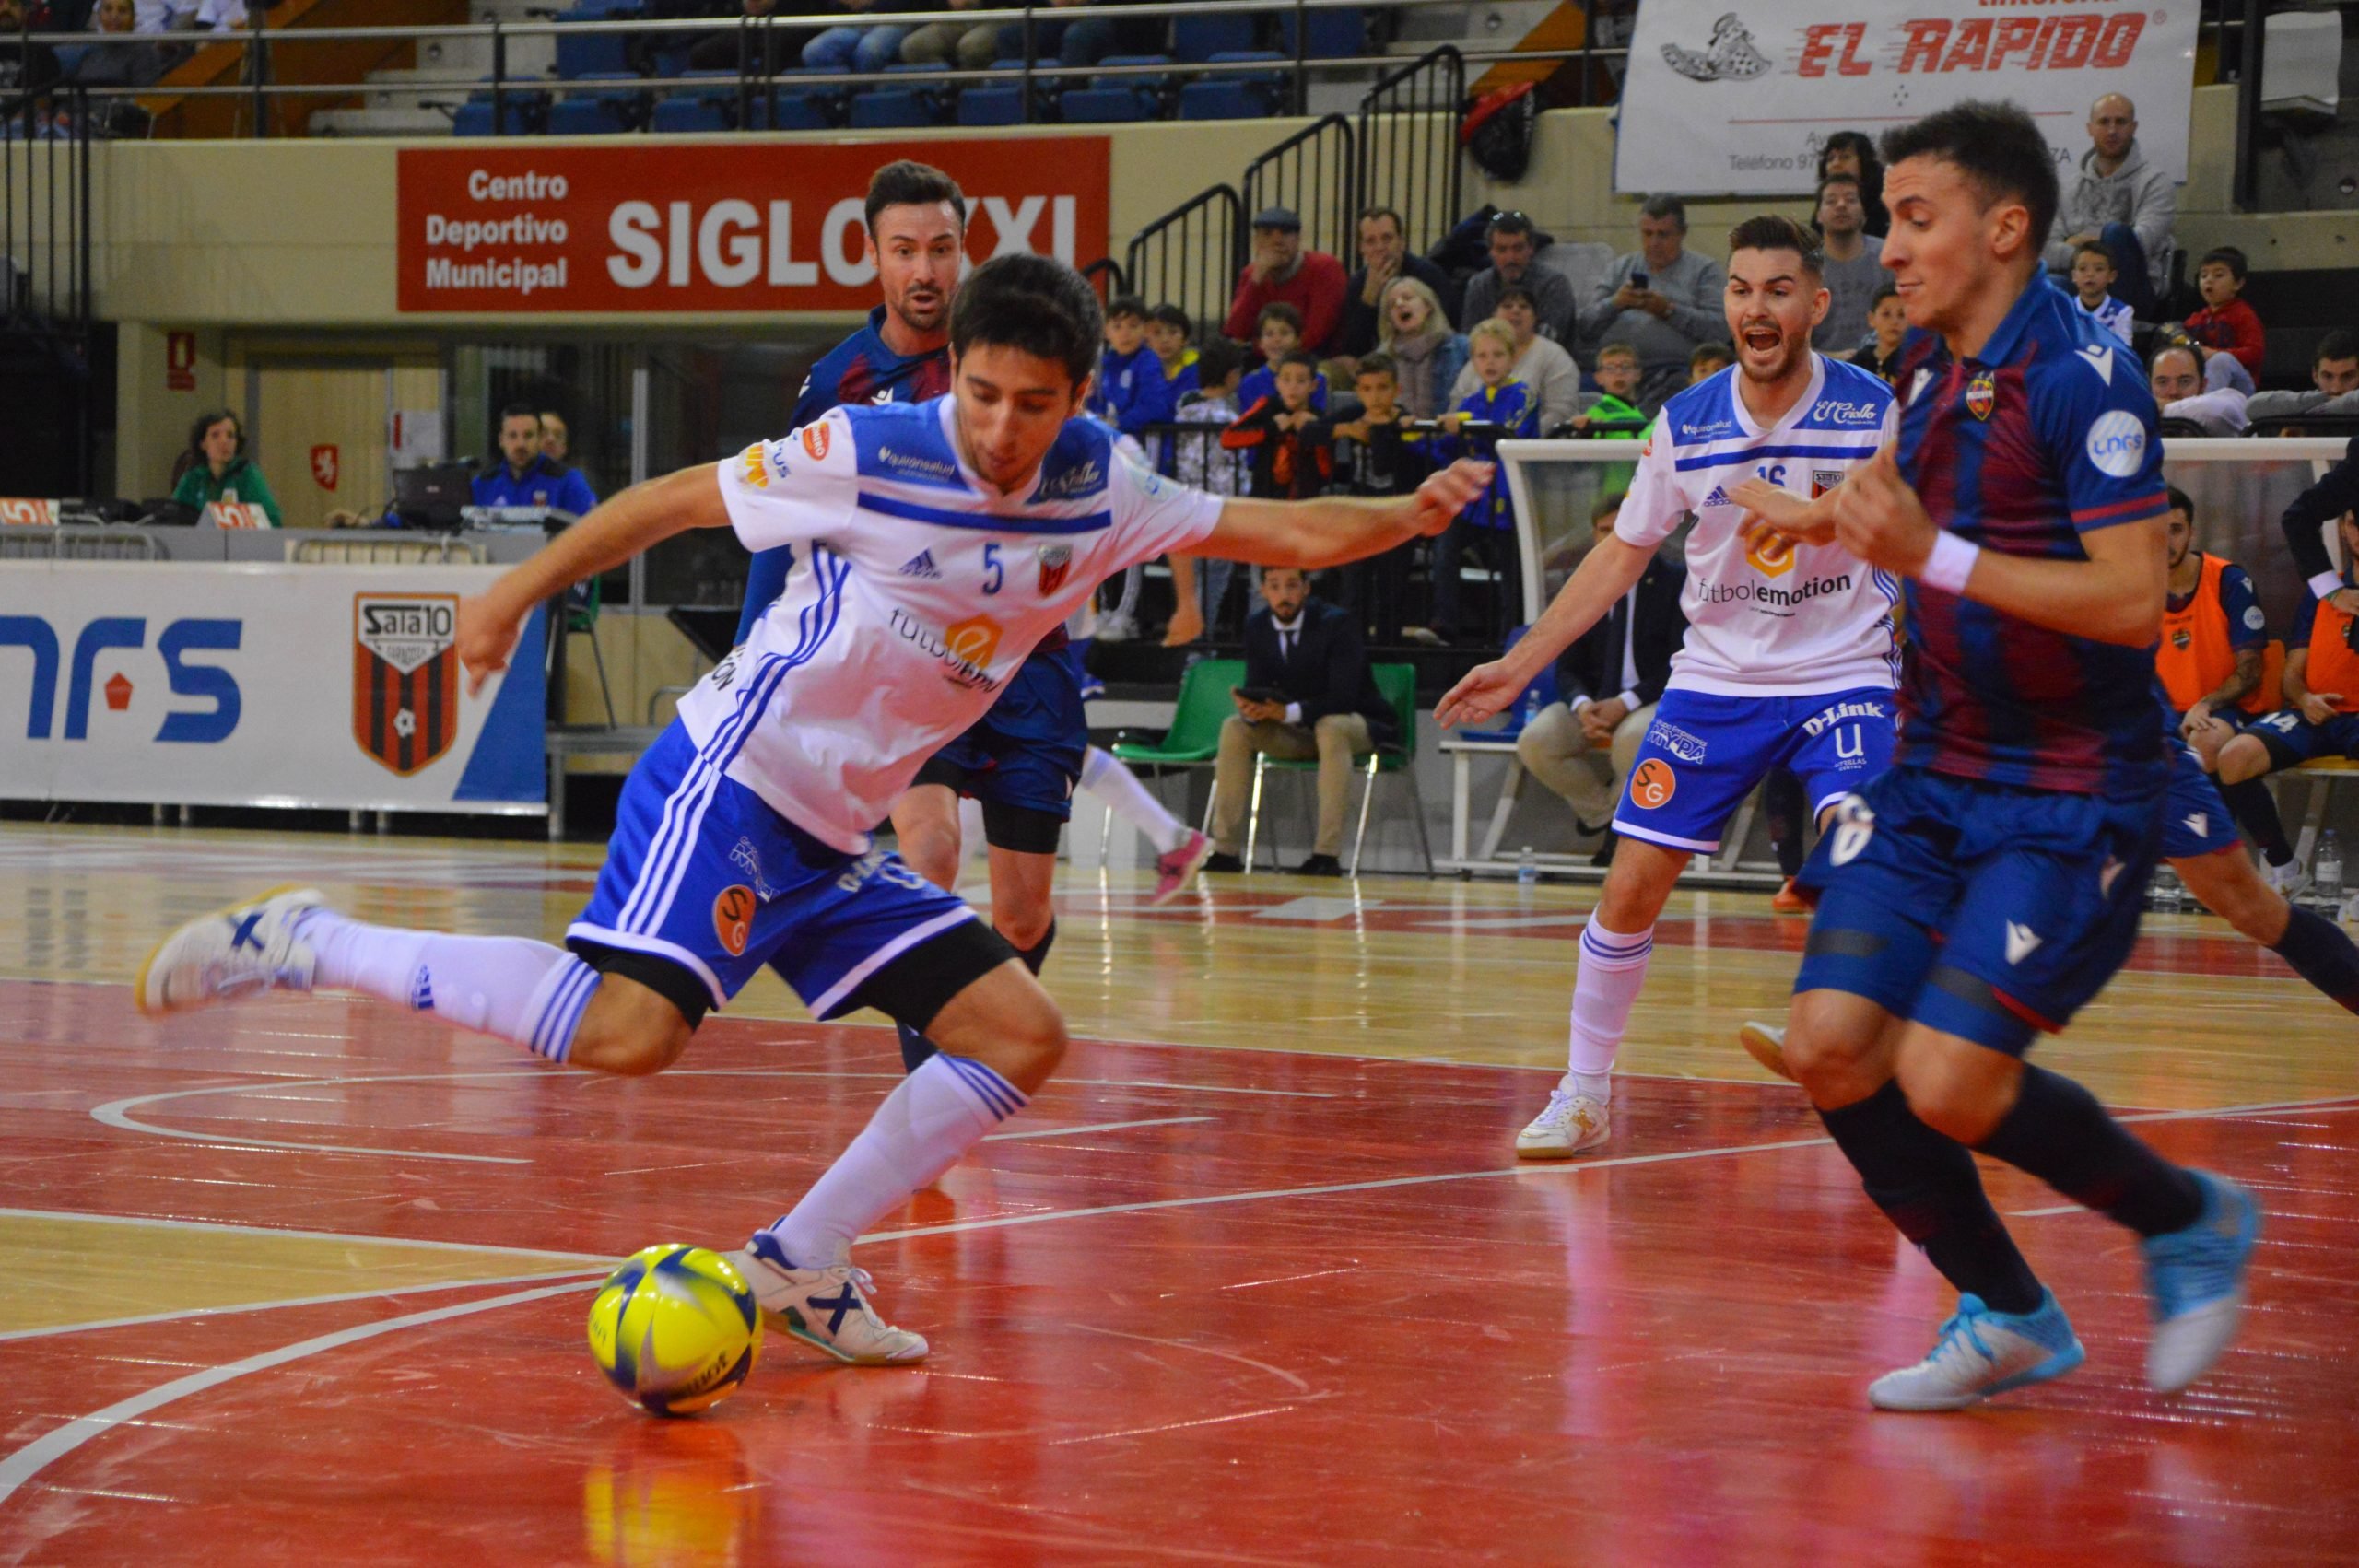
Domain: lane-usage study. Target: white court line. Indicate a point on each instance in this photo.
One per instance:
(225, 1227)
(36, 1456)
(116, 1114)
(273, 1306)
(1098, 1127)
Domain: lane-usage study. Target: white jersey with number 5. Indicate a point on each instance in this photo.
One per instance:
(917, 590)
(1768, 618)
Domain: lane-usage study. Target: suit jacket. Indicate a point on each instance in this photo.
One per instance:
(1593, 667)
(1328, 671)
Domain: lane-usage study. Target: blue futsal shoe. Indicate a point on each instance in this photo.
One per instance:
(2196, 1278)
(1982, 1352)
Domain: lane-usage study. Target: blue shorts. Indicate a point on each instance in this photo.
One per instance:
(703, 872)
(2195, 819)
(2292, 740)
(1982, 910)
(1026, 753)
(1705, 752)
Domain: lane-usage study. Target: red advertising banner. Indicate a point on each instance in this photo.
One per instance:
(747, 225)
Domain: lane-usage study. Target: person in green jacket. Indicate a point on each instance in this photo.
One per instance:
(219, 470)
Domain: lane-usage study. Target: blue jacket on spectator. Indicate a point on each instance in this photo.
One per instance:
(1131, 391)
(543, 484)
(1515, 408)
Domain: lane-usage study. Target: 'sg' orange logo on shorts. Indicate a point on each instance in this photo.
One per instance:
(1653, 784)
(733, 918)
(815, 440)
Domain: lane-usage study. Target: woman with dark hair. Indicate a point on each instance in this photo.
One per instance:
(217, 468)
(1851, 152)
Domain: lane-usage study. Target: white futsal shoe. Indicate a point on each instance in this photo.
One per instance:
(827, 1308)
(238, 952)
(1981, 1352)
(1765, 1043)
(1572, 1123)
(2289, 880)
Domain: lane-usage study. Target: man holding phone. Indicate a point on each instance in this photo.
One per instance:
(1662, 298)
(1307, 693)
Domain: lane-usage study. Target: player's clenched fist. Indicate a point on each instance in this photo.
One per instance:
(1879, 518)
(1441, 497)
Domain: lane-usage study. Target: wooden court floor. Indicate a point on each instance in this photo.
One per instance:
(1256, 1281)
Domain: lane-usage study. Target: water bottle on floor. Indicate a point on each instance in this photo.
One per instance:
(1527, 868)
(2326, 871)
(2165, 897)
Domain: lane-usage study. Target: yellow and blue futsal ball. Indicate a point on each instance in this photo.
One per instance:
(676, 1328)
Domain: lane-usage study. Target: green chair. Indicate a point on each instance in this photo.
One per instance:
(1193, 740)
(581, 606)
(1397, 683)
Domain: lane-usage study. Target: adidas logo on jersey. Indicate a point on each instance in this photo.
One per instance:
(1718, 498)
(921, 564)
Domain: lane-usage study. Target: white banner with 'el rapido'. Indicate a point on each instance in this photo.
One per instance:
(297, 685)
(1740, 100)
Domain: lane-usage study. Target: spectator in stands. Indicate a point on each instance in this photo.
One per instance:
(2226, 325)
(852, 47)
(1281, 272)
(1853, 265)
(1204, 463)
(218, 470)
(2176, 377)
(1131, 391)
(1513, 245)
(1541, 366)
(1851, 153)
(2214, 637)
(1385, 257)
(1614, 414)
(1501, 408)
(1426, 354)
(1709, 360)
(218, 16)
(1608, 682)
(969, 46)
(2092, 279)
(2121, 201)
(1277, 333)
(557, 440)
(1662, 298)
(1889, 320)
(1307, 693)
(106, 65)
(1375, 455)
(774, 49)
(1283, 436)
(2334, 378)
(1085, 41)
(524, 477)
(1167, 332)
(27, 70)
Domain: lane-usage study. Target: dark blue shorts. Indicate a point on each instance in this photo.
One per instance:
(2195, 819)
(1026, 753)
(1982, 910)
(2293, 740)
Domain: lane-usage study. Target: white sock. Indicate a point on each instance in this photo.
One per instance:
(933, 1116)
(1103, 775)
(1613, 966)
(519, 989)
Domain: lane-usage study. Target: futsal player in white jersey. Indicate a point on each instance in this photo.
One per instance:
(1790, 659)
(742, 837)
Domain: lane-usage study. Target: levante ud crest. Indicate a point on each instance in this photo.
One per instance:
(404, 677)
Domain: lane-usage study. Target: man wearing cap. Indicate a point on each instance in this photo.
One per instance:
(1282, 271)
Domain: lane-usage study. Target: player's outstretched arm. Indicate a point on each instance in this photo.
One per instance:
(617, 530)
(1610, 569)
(1335, 528)
(2113, 596)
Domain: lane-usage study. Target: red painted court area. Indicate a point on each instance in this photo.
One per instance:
(1227, 1306)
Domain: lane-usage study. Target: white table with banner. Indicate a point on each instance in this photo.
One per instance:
(260, 684)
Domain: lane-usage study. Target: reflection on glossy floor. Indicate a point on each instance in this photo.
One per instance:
(1254, 1282)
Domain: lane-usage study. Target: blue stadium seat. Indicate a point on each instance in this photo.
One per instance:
(1227, 98)
(686, 113)
(1339, 33)
(991, 105)
(474, 118)
(881, 108)
(1199, 39)
(795, 112)
(596, 54)
(1102, 106)
(597, 116)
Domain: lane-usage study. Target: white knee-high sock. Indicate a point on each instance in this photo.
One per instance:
(519, 989)
(933, 1116)
(1103, 775)
(1613, 966)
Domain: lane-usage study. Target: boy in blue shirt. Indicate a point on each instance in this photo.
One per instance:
(1167, 332)
(1502, 408)
(1132, 392)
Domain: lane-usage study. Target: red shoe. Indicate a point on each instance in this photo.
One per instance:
(1175, 870)
(1788, 901)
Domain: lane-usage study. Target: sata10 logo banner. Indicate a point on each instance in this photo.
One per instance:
(532, 228)
(1740, 100)
(292, 685)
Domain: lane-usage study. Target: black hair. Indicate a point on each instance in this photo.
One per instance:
(208, 419)
(1774, 231)
(1997, 148)
(1036, 305)
(1217, 360)
(1723, 352)
(2336, 345)
(1885, 290)
(1851, 180)
(1516, 292)
(1126, 305)
(2179, 501)
(1607, 505)
(1665, 206)
(1398, 221)
(1508, 223)
(2227, 256)
(1278, 310)
(1171, 316)
(1858, 145)
(1302, 356)
(517, 411)
(908, 184)
(1377, 364)
(2092, 247)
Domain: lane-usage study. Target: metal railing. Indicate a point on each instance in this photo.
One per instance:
(1311, 173)
(1408, 156)
(1191, 256)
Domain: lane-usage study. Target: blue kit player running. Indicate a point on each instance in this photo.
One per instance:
(1988, 886)
(1790, 659)
(741, 840)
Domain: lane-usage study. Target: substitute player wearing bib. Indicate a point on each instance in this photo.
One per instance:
(1989, 884)
(1790, 659)
(742, 836)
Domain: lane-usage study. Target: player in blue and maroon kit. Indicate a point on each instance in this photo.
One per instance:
(1988, 886)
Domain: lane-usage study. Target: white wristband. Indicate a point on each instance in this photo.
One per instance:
(2326, 585)
(1950, 565)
